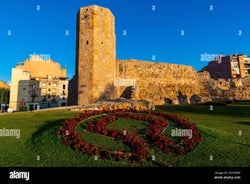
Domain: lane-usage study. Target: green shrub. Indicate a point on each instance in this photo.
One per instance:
(23, 108)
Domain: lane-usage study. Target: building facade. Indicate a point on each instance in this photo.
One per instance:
(38, 84)
(228, 67)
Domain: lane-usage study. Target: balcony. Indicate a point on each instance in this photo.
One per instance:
(247, 66)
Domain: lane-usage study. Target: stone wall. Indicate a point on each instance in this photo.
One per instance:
(223, 90)
(156, 82)
(100, 76)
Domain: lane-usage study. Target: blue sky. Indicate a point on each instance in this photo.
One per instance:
(171, 31)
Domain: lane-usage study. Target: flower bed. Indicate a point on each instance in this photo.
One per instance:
(158, 121)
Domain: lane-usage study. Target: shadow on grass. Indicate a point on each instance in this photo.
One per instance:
(50, 126)
(229, 141)
(46, 143)
(243, 123)
(226, 111)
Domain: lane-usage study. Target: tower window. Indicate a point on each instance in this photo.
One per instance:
(87, 42)
(102, 42)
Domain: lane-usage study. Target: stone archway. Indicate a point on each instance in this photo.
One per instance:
(127, 93)
(182, 99)
(195, 99)
(168, 101)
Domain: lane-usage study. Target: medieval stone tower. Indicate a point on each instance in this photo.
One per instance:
(100, 76)
(95, 54)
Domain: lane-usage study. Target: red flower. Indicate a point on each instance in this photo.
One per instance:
(158, 123)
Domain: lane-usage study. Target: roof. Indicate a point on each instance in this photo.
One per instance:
(4, 85)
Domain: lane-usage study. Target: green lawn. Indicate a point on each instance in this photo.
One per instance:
(226, 132)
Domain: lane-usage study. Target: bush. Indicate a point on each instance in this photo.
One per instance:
(23, 108)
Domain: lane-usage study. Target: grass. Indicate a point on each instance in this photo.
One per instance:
(40, 146)
(100, 140)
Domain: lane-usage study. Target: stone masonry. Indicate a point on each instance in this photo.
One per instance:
(156, 82)
(96, 54)
(101, 77)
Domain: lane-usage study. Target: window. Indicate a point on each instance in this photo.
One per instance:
(64, 86)
(120, 67)
(24, 89)
(123, 67)
(43, 91)
(33, 86)
(87, 42)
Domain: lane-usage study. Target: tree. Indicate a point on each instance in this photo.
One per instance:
(4, 95)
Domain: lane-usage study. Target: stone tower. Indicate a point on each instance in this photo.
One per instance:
(95, 54)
